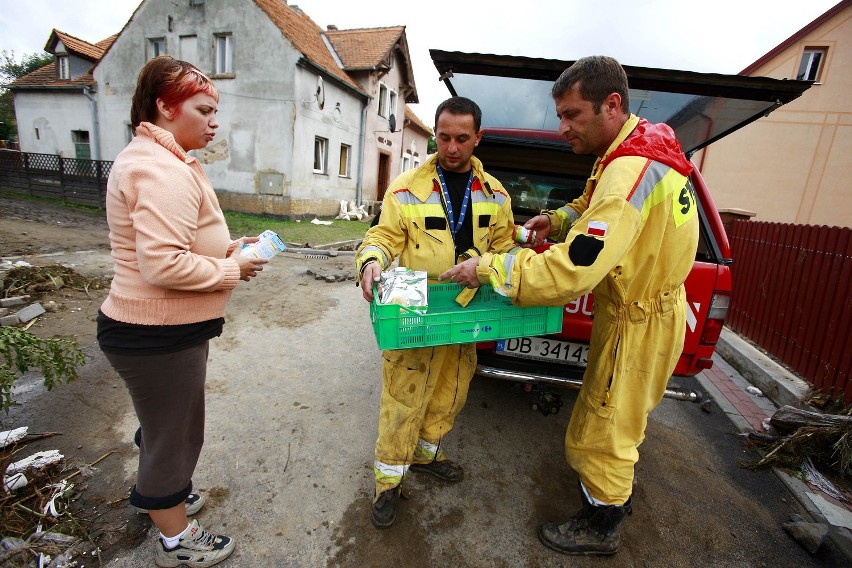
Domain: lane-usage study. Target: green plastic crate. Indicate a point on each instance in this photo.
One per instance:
(488, 317)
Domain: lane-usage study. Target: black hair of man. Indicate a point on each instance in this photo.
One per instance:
(598, 76)
(460, 105)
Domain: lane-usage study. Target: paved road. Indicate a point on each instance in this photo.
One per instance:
(292, 411)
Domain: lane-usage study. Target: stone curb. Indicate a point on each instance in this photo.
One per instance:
(782, 388)
(775, 382)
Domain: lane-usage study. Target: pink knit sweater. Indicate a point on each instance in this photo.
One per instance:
(168, 236)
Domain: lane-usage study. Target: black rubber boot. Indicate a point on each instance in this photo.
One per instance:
(444, 469)
(384, 508)
(594, 530)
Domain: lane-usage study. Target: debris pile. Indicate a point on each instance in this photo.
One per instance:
(41, 526)
(805, 442)
(23, 283)
(25, 279)
(797, 435)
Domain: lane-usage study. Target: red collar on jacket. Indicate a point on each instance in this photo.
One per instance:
(655, 142)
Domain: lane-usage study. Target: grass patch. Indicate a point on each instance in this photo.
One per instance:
(302, 233)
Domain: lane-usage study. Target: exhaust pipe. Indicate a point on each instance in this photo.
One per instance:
(493, 373)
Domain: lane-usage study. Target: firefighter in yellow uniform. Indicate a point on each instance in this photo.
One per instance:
(631, 238)
(447, 210)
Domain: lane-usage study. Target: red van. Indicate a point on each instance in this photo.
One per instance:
(522, 148)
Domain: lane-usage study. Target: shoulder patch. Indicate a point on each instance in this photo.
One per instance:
(584, 250)
(597, 228)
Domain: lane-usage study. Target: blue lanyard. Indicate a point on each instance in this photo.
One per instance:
(455, 225)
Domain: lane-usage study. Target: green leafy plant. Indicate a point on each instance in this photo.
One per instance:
(20, 350)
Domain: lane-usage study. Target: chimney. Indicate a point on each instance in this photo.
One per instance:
(331, 28)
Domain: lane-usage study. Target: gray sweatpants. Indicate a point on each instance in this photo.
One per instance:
(168, 395)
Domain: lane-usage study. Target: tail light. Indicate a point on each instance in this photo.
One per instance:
(716, 318)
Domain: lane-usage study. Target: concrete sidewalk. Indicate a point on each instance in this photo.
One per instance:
(739, 368)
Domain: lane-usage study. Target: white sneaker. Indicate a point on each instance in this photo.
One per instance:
(193, 502)
(199, 549)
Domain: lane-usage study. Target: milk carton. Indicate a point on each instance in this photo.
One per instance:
(268, 246)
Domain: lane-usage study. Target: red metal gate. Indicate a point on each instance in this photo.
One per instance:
(793, 298)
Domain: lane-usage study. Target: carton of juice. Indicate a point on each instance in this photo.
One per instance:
(268, 246)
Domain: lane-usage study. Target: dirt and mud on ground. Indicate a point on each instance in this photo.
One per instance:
(293, 388)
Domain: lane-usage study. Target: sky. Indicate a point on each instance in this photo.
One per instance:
(723, 36)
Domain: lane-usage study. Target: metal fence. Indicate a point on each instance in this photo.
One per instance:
(82, 182)
(793, 298)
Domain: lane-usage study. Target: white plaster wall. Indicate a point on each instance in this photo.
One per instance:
(268, 116)
(378, 128)
(339, 122)
(55, 115)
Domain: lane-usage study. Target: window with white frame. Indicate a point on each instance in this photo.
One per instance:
(156, 47)
(406, 162)
(63, 67)
(416, 163)
(810, 68)
(320, 155)
(392, 105)
(343, 169)
(383, 100)
(224, 54)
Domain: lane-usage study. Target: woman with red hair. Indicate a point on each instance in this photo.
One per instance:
(175, 267)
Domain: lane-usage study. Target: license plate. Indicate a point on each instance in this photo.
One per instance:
(543, 349)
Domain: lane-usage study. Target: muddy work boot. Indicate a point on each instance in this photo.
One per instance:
(384, 508)
(595, 530)
(443, 469)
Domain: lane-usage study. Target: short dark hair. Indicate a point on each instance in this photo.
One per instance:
(169, 79)
(598, 76)
(460, 105)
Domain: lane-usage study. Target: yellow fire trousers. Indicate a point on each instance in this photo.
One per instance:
(423, 390)
(633, 352)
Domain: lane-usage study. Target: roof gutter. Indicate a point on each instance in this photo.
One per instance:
(362, 142)
(96, 146)
(308, 64)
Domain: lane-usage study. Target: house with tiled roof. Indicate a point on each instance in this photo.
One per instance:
(793, 166)
(378, 59)
(64, 84)
(307, 119)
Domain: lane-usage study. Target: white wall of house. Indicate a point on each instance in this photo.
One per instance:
(414, 144)
(47, 121)
(268, 113)
(337, 123)
(379, 138)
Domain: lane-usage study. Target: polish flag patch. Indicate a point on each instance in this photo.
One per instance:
(597, 228)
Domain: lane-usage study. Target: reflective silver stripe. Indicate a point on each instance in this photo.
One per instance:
(651, 177)
(405, 197)
(428, 448)
(390, 470)
(368, 250)
(572, 214)
(480, 196)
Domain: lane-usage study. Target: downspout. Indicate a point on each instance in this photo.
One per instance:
(96, 147)
(362, 140)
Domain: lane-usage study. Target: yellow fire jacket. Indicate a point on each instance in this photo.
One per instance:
(631, 236)
(413, 224)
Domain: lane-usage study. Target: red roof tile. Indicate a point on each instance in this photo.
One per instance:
(366, 48)
(46, 78)
(75, 45)
(306, 36)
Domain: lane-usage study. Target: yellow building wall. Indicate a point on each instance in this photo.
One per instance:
(795, 165)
